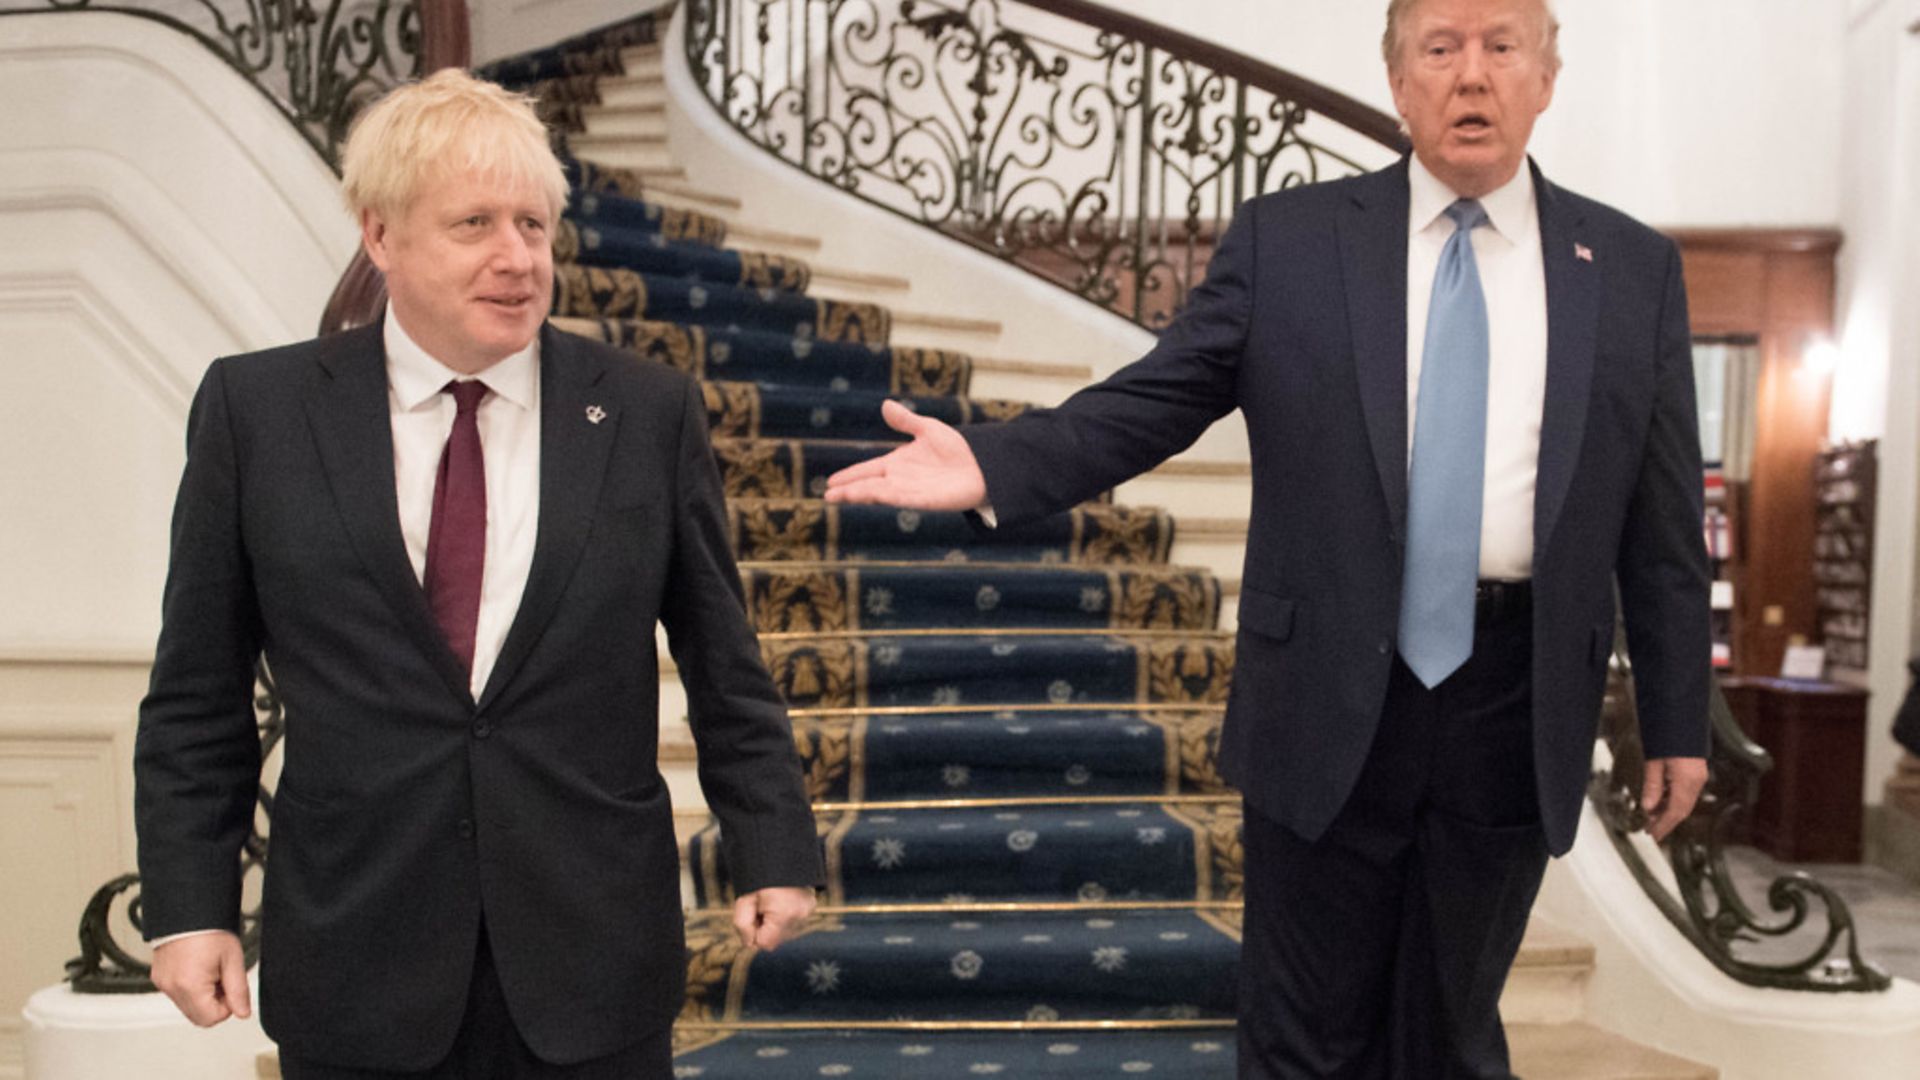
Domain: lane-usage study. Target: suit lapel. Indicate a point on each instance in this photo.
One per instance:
(577, 429)
(347, 408)
(1373, 248)
(1573, 307)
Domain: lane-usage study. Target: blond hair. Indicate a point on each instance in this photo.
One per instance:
(1397, 13)
(446, 122)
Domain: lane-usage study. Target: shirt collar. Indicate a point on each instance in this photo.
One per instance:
(416, 377)
(1509, 206)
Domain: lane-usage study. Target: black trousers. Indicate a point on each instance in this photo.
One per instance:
(489, 1047)
(1380, 950)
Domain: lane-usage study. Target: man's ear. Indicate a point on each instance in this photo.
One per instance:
(373, 237)
(1552, 76)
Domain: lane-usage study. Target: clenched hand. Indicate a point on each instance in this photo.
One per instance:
(206, 976)
(768, 917)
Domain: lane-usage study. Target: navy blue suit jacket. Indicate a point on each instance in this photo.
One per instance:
(1301, 324)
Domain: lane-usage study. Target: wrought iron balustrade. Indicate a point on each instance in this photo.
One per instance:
(105, 965)
(317, 62)
(317, 65)
(1702, 900)
(1098, 150)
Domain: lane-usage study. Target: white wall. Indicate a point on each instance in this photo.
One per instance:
(1680, 112)
(158, 212)
(1877, 386)
(505, 27)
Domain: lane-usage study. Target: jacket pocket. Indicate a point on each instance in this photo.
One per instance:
(1265, 614)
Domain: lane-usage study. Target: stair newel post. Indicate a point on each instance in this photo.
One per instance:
(446, 36)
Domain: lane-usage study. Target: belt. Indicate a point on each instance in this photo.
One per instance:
(1494, 601)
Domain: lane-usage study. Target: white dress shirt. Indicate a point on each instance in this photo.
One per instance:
(509, 422)
(1514, 280)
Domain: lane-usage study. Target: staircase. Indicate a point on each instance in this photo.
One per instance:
(1010, 739)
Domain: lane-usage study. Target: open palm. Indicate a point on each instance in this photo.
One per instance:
(936, 471)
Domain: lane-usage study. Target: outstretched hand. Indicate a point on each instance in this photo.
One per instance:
(936, 471)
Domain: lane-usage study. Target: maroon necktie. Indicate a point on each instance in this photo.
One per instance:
(457, 539)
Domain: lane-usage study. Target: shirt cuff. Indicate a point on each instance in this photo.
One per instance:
(159, 941)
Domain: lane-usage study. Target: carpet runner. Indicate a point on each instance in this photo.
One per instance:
(802, 530)
(855, 755)
(1010, 736)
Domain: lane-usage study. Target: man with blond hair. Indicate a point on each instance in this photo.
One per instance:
(1469, 395)
(452, 534)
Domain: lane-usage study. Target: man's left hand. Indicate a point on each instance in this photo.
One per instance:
(769, 917)
(1673, 786)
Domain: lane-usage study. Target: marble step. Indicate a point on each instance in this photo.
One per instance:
(1579, 1051)
(625, 91)
(641, 121)
(648, 156)
(1540, 1052)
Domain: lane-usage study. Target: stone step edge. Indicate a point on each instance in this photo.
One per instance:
(1567, 1051)
(1577, 1050)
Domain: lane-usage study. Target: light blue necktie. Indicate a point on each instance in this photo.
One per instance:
(1447, 482)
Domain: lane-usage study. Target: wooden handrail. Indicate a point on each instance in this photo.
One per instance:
(1334, 105)
(446, 40)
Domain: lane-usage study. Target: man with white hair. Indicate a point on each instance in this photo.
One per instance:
(452, 534)
(1469, 395)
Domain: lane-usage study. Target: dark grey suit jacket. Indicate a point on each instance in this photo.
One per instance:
(406, 809)
(1301, 324)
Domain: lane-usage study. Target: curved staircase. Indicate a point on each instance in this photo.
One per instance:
(1010, 737)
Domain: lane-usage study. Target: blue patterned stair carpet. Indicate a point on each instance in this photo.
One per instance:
(755, 468)
(962, 964)
(960, 851)
(1010, 736)
(895, 755)
(815, 597)
(807, 530)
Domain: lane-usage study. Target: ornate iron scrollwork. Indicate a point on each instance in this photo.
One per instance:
(1092, 158)
(317, 63)
(104, 965)
(1706, 907)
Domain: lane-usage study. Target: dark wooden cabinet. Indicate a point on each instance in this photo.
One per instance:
(1774, 287)
(1809, 808)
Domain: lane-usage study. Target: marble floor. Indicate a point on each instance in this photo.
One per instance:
(1885, 907)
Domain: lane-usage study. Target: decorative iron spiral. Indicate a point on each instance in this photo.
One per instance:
(317, 63)
(1707, 907)
(1098, 162)
(105, 966)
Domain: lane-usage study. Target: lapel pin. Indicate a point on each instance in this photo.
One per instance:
(1583, 252)
(595, 414)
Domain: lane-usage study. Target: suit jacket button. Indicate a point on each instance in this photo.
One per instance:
(1384, 647)
(482, 729)
(466, 829)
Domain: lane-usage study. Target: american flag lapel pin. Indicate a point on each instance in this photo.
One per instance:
(595, 414)
(1582, 252)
